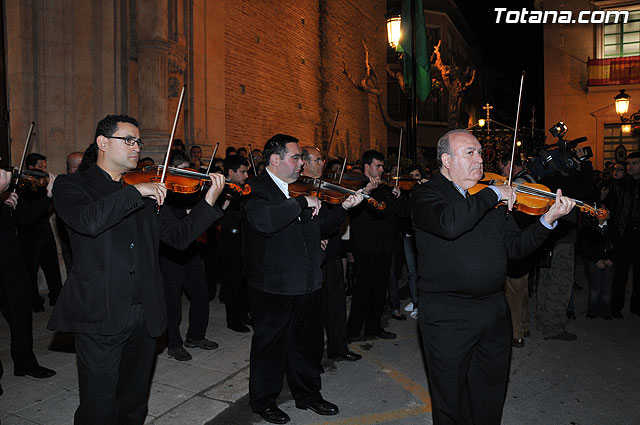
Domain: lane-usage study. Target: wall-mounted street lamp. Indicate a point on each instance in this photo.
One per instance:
(393, 30)
(394, 33)
(481, 122)
(622, 107)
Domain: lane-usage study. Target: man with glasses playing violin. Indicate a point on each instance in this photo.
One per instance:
(113, 298)
(463, 244)
(282, 263)
(334, 299)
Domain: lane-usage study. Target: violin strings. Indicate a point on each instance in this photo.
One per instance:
(535, 191)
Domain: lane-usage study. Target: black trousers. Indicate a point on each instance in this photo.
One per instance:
(15, 303)
(114, 373)
(234, 285)
(369, 292)
(334, 303)
(39, 250)
(287, 339)
(467, 348)
(627, 253)
(190, 278)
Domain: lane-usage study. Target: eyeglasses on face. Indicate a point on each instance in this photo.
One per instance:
(128, 140)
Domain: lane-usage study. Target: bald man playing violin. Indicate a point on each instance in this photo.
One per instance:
(464, 242)
(334, 299)
(113, 297)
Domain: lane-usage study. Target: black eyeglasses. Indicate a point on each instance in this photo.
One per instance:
(128, 140)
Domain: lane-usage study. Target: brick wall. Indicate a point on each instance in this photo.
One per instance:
(284, 72)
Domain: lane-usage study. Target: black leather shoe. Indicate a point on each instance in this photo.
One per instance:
(203, 343)
(321, 407)
(35, 371)
(238, 327)
(527, 334)
(571, 315)
(350, 356)
(518, 342)
(179, 353)
(399, 316)
(274, 415)
(384, 335)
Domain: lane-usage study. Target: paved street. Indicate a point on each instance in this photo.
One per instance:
(593, 381)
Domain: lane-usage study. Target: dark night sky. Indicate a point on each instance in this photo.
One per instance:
(507, 50)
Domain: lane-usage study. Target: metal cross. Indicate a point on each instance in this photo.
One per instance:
(488, 108)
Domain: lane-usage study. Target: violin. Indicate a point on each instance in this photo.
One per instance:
(178, 180)
(29, 179)
(405, 183)
(533, 198)
(329, 192)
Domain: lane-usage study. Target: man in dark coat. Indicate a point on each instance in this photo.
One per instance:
(463, 244)
(113, 298)
(282, 259)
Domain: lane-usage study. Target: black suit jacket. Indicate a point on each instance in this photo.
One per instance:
(98, 292)
(281, 243)
(375, 230)
(463, 243)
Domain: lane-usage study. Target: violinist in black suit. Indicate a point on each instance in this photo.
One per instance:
(334, 299)
(113, 298)
(282, 258)
(463, 244)
(234, 286)
(15, 301)
(374, 234)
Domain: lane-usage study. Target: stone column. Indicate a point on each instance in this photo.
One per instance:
(152, 49)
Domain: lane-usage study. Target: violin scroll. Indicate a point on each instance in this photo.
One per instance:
(599, 213)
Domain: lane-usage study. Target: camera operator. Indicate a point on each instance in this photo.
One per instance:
(557, 269)
(624, 199)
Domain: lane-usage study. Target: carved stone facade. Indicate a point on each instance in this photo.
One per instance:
(251, 68)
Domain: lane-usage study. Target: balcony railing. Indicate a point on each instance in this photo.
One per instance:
(604, 72)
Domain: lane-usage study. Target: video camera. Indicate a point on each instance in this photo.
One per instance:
(560, 157)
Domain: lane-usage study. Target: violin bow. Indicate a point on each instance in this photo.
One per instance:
(213, 155)
(173, 133)
(515, 129)
(398, 166)
(253, 164)
(344, 166)
(24, 153)
(326, 155)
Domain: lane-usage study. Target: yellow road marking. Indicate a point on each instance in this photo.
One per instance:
(391, 415)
